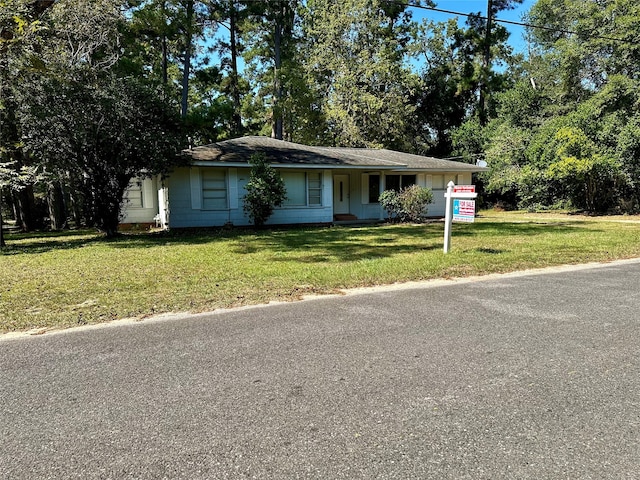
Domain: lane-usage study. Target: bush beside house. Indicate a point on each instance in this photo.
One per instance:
(408, 205)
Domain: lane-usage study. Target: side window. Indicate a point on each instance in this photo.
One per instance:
(133, 195)
(315, 188)
(374, 188)
(214, 189)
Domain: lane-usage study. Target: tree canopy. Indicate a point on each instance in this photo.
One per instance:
(95, 93)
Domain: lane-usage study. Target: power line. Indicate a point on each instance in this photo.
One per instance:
(510, 22)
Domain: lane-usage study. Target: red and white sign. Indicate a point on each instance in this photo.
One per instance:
(464, 188)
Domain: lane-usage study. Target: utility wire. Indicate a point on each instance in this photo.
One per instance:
(510, 22)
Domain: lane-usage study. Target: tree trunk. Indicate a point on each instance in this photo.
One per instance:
(24, 204)
(73, 205)
(236, 119)
(276, 129)
(2, 244)
(187, 58)
(486, 66)
(55, 202)
(165, 75)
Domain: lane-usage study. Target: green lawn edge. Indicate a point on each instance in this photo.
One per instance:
(64, 279)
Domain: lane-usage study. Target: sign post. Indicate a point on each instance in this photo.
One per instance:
(460, 206)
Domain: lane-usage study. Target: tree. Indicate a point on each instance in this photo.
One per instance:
(465, 68)
(494, 37)
(125, 130)
(14, 179)
(265, 190)
(231, 15)
(270, 47)
(20, 29)
(447, 88)
(354, 56)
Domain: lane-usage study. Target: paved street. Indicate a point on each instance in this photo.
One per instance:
(534, 376)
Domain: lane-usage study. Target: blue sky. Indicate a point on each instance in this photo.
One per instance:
(473, 6)
(467, 6)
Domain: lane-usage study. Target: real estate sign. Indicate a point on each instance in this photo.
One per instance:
(460, 206)
(464, 210)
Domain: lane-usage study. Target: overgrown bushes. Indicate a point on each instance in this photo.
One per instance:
(265, 190)
(408, 205)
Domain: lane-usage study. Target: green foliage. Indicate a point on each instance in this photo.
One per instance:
(390, 201)
(353, 55)
(469, 139)
(408, 205)
(591, 183)
(265, 190)
(124, 130)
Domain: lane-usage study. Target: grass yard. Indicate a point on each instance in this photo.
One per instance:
(73, 278)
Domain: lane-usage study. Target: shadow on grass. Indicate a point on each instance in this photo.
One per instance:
(42, 242)
(519, 229)
(492, 251)
(312, 244)
(348, 244)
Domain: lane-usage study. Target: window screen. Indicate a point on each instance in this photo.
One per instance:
(407, 180)
(315, 188)
(214, 189)
(392, 182)
(295, 184)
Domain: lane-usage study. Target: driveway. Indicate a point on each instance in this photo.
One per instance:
(518, 376)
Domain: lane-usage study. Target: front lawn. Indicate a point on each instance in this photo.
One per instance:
(72, 278)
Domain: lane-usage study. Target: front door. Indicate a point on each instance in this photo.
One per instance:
(340, 194)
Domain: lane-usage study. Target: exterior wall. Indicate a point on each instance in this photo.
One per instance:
(439, 188)
(187, 208)
(435, 209)
(146, 213)
(178, 201)
(363, 209)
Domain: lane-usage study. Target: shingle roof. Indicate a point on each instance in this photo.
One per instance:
(279, 152)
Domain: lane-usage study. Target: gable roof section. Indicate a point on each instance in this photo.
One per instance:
(279, 153)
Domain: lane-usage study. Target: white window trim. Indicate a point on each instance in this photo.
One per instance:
(365, 188)
(226, 191)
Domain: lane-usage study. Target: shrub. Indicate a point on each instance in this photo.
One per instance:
(390, 202)
(265, 190)
(408, 205)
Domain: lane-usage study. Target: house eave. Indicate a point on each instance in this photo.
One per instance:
(206, 163)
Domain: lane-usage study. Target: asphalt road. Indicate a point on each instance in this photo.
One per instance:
(534, 376)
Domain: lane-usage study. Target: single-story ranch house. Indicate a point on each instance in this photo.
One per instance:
(323, 184)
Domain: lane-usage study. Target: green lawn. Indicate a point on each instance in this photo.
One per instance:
(72, 278)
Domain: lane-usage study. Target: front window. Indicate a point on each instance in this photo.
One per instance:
(302, 188)
(214, 189)
(398, 182)
(437, 182)
(315, 188)
(374, 188)
(407, 181)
